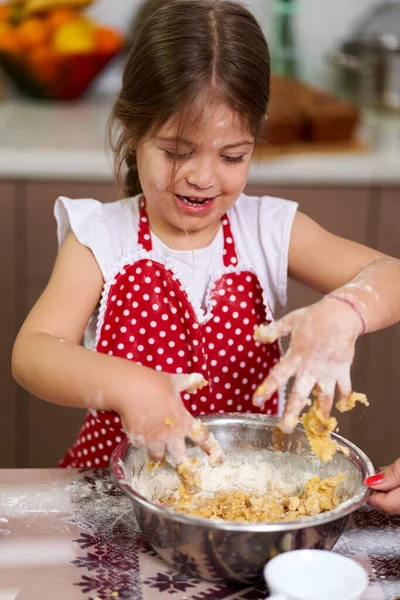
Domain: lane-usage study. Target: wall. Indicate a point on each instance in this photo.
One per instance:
(320, 26)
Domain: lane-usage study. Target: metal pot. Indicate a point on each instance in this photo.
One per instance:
(237, 552)
(368, 64)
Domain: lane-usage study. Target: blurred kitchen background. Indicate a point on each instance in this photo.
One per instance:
(332, 143)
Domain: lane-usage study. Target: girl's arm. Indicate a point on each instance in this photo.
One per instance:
(362, 288)
(48, 361)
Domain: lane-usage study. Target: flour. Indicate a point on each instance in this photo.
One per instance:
(98, 508)
(4, 531)
(247, 470)
(40, 498)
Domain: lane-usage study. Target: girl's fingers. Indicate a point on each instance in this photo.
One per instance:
(267, 334)
(344, 387)
(300, 393)
(207, 442)
(177, 449)
(324, 394)
(189, 473)
(189, 383)
(388, 502)
(276, 380)
(156, 452)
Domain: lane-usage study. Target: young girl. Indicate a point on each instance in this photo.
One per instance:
(175, 279)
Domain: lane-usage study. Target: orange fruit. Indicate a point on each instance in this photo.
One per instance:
(42, 63)
(60, 16)
(32, 33)
(8, 40)
(4, 12)
(108, 40)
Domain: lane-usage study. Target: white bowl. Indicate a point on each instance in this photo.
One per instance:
(314, 575)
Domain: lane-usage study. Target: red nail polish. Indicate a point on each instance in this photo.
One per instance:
(374, 480)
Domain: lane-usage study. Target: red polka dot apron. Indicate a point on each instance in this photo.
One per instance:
(149, 318)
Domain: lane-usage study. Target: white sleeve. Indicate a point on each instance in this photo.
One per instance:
(106, 229)
(262, 227)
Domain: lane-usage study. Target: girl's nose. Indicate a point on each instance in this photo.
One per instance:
(201, 176)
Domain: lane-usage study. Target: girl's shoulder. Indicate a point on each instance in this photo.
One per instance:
(108, 229)
(261, 213)
(254, 206)
(82, 210)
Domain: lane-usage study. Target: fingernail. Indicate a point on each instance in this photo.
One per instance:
(374, 480)
(261, 391)
(288, 423)
(258, 401)
(286, 429)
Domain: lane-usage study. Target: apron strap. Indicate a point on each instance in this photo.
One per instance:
(230, 256)
(144, 236)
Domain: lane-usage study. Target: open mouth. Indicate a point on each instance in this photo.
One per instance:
(192, 201)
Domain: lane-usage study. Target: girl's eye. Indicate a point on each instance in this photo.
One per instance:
(174, 156)
(187, 155)
(233, 159)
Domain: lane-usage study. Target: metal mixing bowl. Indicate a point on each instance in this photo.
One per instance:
(237, 552)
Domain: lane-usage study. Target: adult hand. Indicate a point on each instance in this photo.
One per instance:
(386, 489)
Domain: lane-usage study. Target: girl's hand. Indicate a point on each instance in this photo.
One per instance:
(160, 422)
(386, 486)
(320, 354)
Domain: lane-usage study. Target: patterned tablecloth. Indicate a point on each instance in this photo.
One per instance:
(69, 535)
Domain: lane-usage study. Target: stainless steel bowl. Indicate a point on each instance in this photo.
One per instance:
(236, 552)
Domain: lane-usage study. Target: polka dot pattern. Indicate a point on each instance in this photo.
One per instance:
(149, 319)
(95, 442)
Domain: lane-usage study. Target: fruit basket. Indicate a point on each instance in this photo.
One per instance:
(53, 51)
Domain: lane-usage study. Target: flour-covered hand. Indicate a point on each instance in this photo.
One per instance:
(319, 357)
(159, 421)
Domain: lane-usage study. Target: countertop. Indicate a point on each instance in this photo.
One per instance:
(71, 535)
(45, 141)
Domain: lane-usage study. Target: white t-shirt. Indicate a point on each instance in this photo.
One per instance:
(261, 228)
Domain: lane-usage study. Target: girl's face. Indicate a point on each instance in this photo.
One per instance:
(213, 163)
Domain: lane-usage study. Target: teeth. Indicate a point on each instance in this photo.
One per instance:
(194, 201)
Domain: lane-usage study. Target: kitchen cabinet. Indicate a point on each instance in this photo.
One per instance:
(8, 315)
(378, 433)
(34, 433)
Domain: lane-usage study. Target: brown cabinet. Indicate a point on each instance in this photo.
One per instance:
(378, 432)
(8, 320)
(34, 433)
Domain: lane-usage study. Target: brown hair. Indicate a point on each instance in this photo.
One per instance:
(185, 51)
(144, 12)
